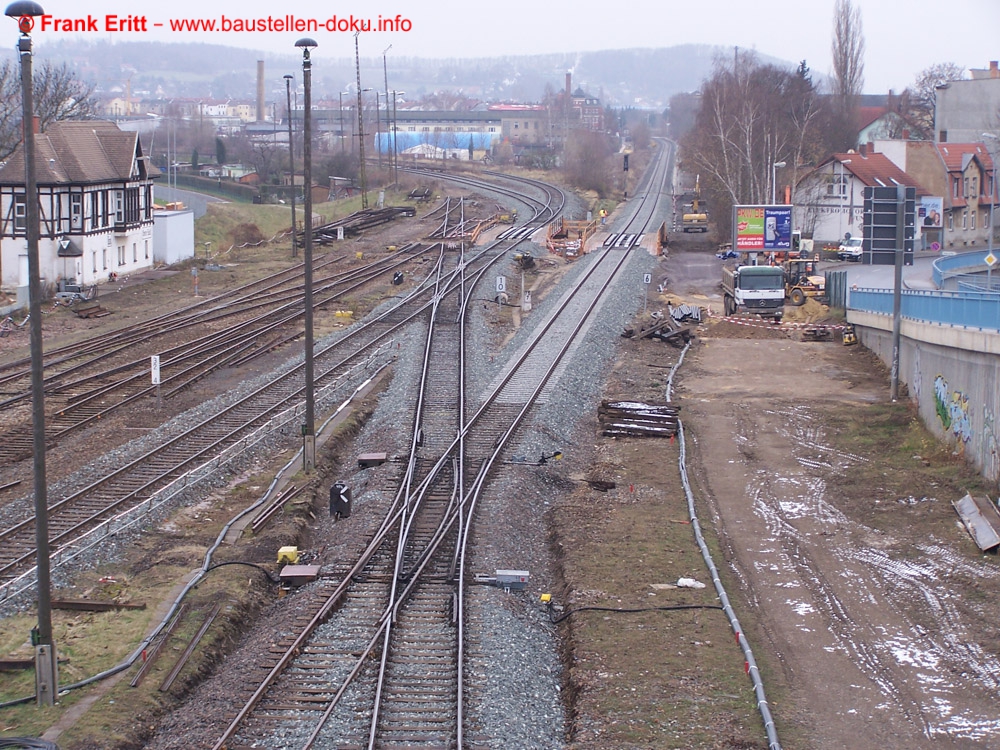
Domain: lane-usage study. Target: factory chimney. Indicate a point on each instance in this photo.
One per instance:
(261, 112)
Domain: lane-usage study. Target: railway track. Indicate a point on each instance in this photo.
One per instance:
(415, 697)
(240, 329)
(78, 520)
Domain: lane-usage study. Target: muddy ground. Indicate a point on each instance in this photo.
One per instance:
(870, 610)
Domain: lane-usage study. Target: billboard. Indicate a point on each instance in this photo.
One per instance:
(762, 228)
(930, 211)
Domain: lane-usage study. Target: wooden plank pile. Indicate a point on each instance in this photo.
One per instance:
(637, 419)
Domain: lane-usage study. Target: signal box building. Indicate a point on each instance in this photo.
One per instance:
(95, 198)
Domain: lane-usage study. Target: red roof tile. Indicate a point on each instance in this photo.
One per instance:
(876, 170)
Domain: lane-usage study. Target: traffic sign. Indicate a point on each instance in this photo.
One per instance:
(990, 259)
(501, 284)
(647, 278)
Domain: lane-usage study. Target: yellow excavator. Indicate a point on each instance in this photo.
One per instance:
(697, 219)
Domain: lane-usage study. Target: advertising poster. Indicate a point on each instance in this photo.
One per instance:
(762, 228)
(930, 211)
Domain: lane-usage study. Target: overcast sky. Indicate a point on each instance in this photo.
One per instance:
(901, 39)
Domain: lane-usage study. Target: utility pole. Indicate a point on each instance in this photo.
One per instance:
(361, 126)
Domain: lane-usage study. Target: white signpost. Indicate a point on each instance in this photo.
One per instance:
(154, 372)
(647, 279)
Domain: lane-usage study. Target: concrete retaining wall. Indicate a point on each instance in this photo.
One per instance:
(953, 375)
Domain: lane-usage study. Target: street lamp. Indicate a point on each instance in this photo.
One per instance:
(291, 151)
(774, 168)
(309, 427)
(394, 154)
(840, 196)
(993, 193)
(385, 76)
(46, 663)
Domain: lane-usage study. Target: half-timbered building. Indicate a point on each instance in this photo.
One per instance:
(95, 199)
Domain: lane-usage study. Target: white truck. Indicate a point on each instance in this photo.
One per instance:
(755, 289)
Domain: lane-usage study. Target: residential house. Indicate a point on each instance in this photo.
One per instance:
(95, 197)
(829, 200)
(959, 176)
(969, 193)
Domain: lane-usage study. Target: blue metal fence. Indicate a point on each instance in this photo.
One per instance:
(969, 309)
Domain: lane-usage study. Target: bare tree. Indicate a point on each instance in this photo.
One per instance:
(751, 116)
(921, 98)
(848, 51)
(588, 163)
(58, 95)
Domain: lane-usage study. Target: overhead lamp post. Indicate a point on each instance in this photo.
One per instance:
(361, 127)
(385, 78)
(993, 194)
(46, 663)
(309, 426)
(774, 170)
(395, 148)
(291, 152)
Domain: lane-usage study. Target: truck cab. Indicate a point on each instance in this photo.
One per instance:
(755, 289)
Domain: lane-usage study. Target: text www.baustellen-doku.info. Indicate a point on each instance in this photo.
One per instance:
(136, 23)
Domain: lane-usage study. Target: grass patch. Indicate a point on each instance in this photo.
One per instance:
(911, 459)
(657, 678)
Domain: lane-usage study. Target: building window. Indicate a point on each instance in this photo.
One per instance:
(951, 221)
(135, 253)
(94, 215)
(76, 211)
(20, 213)
(121, 255)
(956, 187)
(972, 220)
(836, 186)
(104, 259)
(94, 256)
(965, 218)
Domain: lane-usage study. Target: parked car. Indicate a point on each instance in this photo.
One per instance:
(850, 249)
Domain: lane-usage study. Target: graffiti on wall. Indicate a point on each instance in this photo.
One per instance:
(953, 411)
(990, 458)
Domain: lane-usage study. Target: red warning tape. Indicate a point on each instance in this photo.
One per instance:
(756, 322)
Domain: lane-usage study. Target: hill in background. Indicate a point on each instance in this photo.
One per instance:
(644, 78)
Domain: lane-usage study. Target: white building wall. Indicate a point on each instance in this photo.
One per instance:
(173, 236)
(827, 216)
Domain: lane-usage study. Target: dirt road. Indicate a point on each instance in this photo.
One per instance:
(876, 619)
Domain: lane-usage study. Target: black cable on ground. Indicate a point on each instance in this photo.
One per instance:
(624, 610)
(27, 742)
(270, 576)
